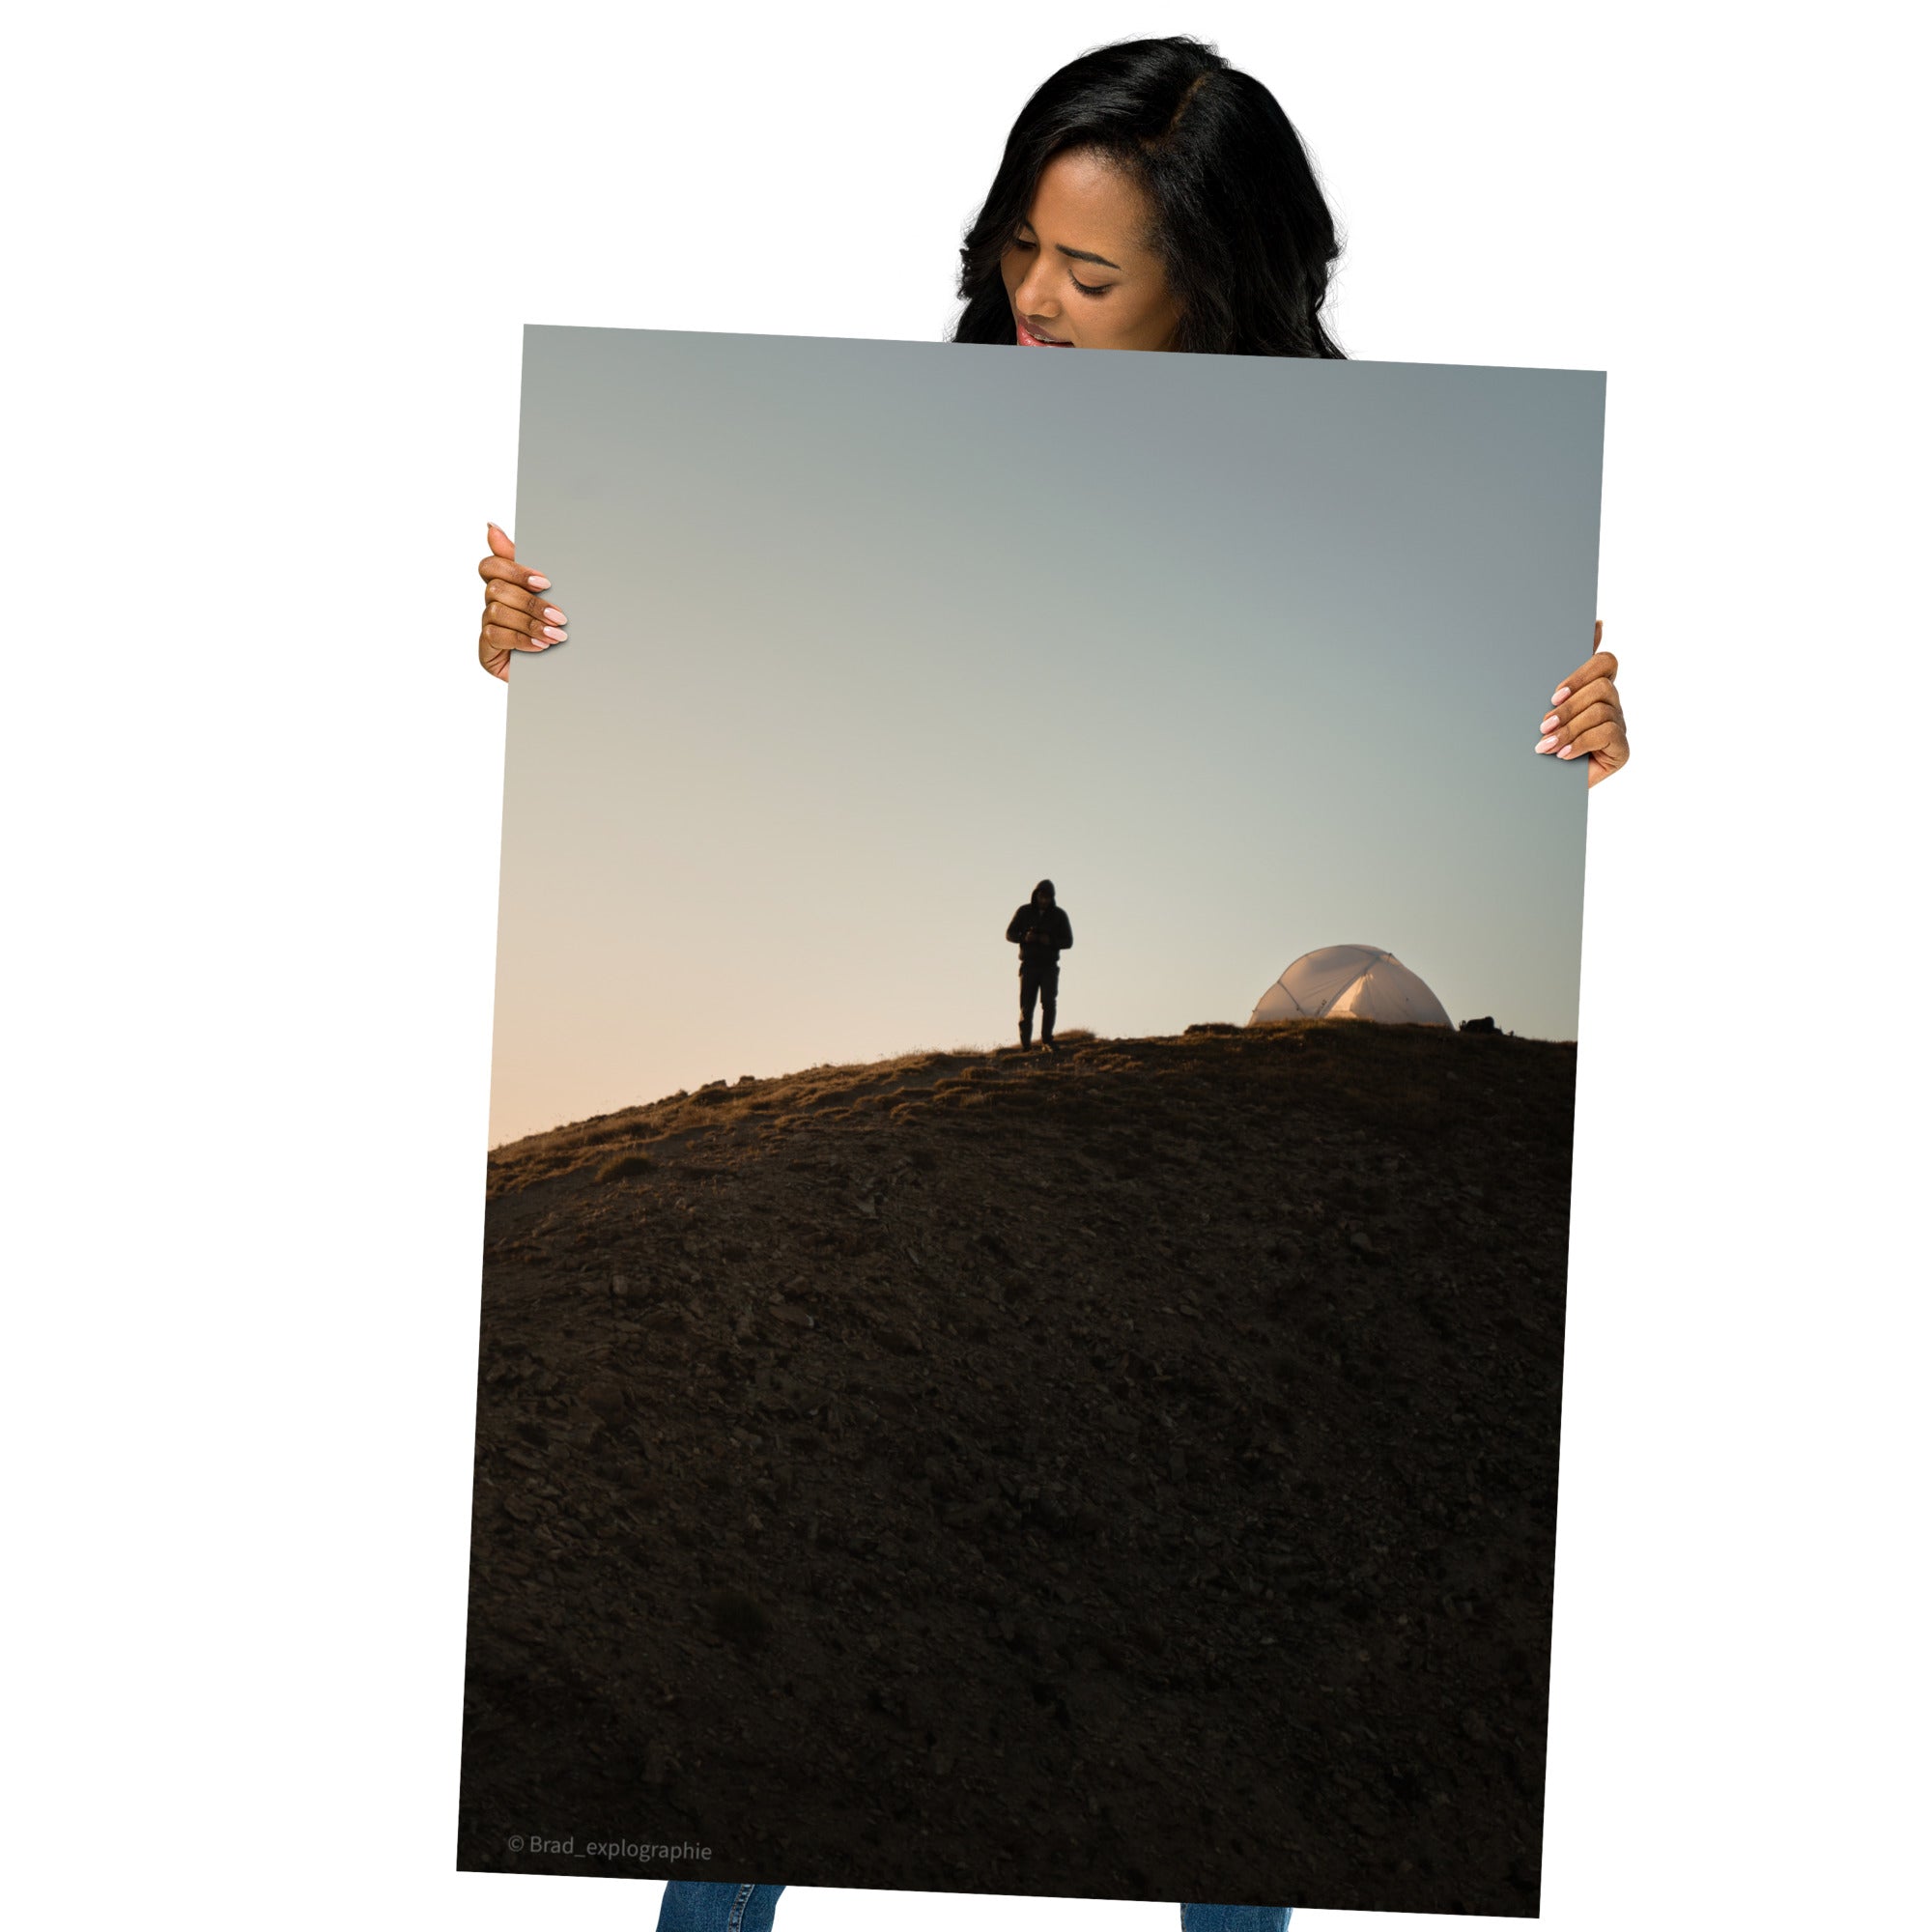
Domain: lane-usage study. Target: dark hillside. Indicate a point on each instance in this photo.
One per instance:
(1128, 1473)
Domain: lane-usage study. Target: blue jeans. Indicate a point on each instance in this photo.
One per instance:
(691, 1906)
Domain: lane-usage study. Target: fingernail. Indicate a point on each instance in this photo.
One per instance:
(538, 645)
(1556, 697)
(554, 633)
(543, 583)
(1568, 752)
(557, 616)
(497, 527)
(1550, 723)
(1547, 743)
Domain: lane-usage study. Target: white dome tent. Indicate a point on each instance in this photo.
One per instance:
(1360, 983)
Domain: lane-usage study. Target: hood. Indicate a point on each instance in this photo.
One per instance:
(1045, 890)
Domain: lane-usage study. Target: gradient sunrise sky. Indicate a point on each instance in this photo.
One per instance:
(1248, 655)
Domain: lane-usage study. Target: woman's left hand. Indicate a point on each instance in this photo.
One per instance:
(1586, 718)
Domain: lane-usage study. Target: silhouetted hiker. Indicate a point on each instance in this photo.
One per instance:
(1042, 932)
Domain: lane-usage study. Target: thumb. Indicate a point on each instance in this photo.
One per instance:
(500, 545)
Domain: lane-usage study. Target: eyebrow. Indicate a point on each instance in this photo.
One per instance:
(1081, 254)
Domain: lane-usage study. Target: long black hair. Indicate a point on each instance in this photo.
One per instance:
(1241, 227)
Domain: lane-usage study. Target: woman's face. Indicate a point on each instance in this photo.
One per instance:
(1078, 271)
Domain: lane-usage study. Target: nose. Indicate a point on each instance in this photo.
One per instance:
(1034, 297)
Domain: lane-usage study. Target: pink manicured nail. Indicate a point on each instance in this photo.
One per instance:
(1550, 723)
(538, 645)
(1568, 752)
(557, 616)
(1556, 697)
(543, 583)
(554, 633)
(1547, 743)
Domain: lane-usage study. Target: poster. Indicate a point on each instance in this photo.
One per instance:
(909, 1458)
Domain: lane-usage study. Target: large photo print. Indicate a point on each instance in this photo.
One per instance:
(1028, 1191)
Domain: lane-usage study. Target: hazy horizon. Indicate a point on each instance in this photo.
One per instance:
(1246, 654)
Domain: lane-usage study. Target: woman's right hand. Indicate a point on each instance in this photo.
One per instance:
(517, 615)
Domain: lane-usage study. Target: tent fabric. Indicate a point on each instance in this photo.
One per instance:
(1362, 983)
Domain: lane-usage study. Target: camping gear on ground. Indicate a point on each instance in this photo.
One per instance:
(1360, 982)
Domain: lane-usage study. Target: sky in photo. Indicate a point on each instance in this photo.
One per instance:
(1248, 655)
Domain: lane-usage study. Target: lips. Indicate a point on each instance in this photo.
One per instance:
(1027, 339)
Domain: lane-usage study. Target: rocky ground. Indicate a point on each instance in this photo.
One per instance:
(1127, 1473)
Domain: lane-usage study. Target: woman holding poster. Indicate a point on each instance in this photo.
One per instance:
(1150, 197)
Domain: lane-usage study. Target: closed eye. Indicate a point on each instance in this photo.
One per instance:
(1085, 288)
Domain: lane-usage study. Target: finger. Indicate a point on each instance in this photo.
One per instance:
(501, 570)
(1599, 691)
(507, 596)
(499, 542)
(1585, 721)
(1602, 666)
(501, 637)
(502, 617)
(1600, 738)
(495, 617)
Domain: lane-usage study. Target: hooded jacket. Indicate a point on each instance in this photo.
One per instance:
(1041, 931)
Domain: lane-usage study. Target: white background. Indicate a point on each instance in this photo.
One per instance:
(269, 267)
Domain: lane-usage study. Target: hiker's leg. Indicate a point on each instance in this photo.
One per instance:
(1028, 992)
(693, 1907)
(1049, 998)
(1234, 1917)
